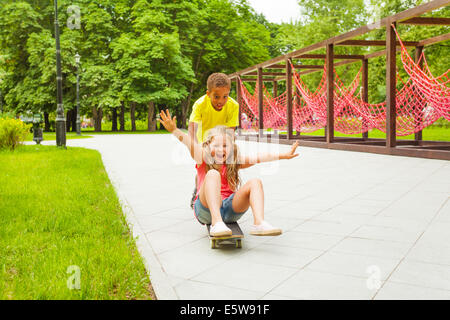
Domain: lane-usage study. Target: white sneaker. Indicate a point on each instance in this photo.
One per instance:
(264, 229)
(220, 229)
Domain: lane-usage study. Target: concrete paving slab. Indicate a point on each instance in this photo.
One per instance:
(353, 265)
(376, 248)
(400, 291)
(196, 290)
(308, 284)
(241, 274)
(427, 275)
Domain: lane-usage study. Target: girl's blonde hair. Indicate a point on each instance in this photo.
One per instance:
(232, 164)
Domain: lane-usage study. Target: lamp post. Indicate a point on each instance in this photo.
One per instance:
(77, 60)
(37, 131)
(60, 120)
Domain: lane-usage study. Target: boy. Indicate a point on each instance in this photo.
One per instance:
(213, 109)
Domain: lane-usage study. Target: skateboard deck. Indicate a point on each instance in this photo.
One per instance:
(235, 237)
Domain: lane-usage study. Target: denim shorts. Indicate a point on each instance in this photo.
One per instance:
(203, 214)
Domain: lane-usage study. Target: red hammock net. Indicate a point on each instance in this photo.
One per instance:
(421, 100)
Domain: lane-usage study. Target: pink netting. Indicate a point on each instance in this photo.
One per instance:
(421, 100)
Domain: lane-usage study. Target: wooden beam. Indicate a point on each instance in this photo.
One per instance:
(260, 102)
(337, 56)
(289, 98)
(390, 86)
(275, 89)
(425, 42)
(374, 43)
(278, 66)
(256, 79)
(336, 64)
(309, 66)
(378, 53)
(238, 99)
(433, 40)
(266, 73)
(365, 91)
(419, 50)
(329, 129)
(428, 21)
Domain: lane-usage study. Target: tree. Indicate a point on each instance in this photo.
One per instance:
(148, 60)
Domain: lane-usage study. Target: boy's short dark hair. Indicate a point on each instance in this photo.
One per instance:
(218, 80)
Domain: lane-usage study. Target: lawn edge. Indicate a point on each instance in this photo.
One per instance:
(160, 283)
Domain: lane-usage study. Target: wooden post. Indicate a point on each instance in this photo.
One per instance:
(365, 91)
(419, 50)
(390, 86)
(289, 98)
(297, 102)
(329, 130)
(260, 102)
(238, 99)
(275, 94)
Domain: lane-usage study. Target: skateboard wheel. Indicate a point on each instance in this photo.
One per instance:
(213, 244)
(238, 243)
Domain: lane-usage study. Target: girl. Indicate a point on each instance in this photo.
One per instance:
(219, 197)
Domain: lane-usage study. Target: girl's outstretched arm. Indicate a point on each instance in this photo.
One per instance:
(171, 125)
(248, 161)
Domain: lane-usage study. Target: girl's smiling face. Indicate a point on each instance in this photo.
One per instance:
(221, 149)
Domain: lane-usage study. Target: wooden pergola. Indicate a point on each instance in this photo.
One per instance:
(279, 69)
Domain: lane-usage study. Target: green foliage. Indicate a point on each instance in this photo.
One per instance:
(132, 51)
(13, 132)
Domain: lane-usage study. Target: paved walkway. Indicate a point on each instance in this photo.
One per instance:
(356, 225)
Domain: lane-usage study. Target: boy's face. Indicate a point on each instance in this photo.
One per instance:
(218, 96)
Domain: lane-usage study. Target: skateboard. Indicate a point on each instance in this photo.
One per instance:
(235, 237)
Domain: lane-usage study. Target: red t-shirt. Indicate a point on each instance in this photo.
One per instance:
(225, 190)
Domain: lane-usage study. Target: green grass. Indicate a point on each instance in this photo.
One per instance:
(58, 209)
(48, 136)
(92, 132)
(87, 133)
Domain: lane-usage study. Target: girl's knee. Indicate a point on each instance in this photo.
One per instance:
(256, 182)
(213, 173)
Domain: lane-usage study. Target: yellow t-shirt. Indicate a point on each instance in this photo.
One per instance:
(204, 114)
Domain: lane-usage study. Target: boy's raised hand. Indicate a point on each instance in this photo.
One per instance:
(291, 154)
(169, 123)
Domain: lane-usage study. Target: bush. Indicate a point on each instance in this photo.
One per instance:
(8, 114)
(441, 122)
(13, 132)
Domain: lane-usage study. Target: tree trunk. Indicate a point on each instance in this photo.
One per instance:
(68, 120)
(179, 117)
(114, 119)
(185, 106)
(132, 116)
(122, 116)
(151, 116)
(158, 110)
(74, 120)
(46, 122)
(97, 114)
